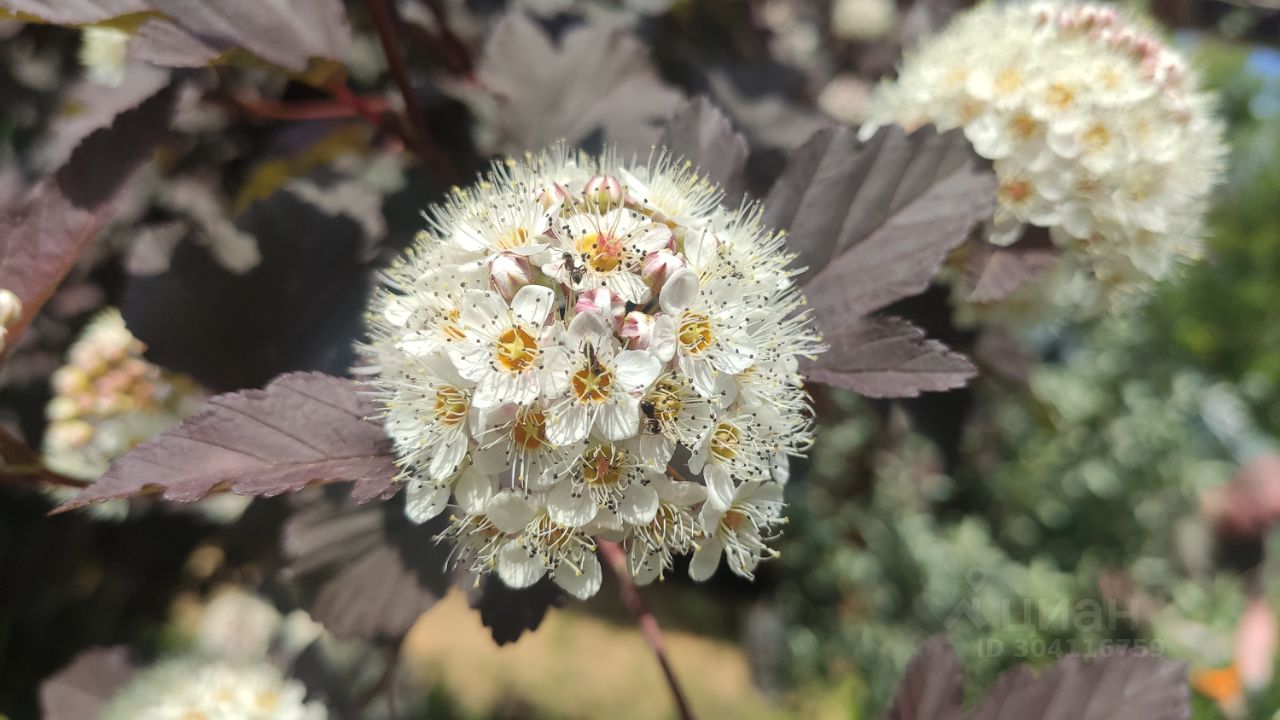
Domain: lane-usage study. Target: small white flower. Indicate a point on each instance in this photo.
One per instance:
(672, 530)
(605, 477)
(505, 350)
(197, 688)
(740, 530)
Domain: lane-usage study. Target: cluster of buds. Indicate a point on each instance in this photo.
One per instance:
(569, 333)
(108, 399)
(1097, 133)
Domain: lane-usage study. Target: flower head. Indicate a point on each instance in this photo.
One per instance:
(1098, 133)
(193, 688)
(561, 331)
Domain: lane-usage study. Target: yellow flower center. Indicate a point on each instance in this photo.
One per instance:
(592, 383)
(733, 519)
(1023, 126)
(1059, 96)
(600, 466)
(530, 431)
(1015, 191)
(666, 400)
(1008, 80)
(451, 405)
(1097, 137)
(602, 252)
(451, 329)
(516, 350)
(515, 238)
(724, 442)
(695, 332)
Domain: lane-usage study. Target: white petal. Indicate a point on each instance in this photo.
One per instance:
(734, 352)
(639, 504)
(532, 304)
(700, 249)
(449, 455)
(644, 565)
(656, 449)
(516, 568)
(482, 309)
(473, 490)
(705, 559)
(569, 508)
(397, 311)
(581, 585)
(663, 344)
(620, 419)
(701, 451)
(424, 500)
(684, 493)
(700, 373)
(628, 286)
(679, 292)
(636, 369)
(509, 511)
(719, 486)
(570, 425)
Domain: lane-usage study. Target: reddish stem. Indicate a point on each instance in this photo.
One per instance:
(384, 19)
(630, 595)
(455, 48)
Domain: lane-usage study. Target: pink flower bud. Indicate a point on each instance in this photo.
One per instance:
(551, 195)
(509, 273)
(637, 330)
(1256, 644)
(658, 266)
(602, 302)
(604, 190)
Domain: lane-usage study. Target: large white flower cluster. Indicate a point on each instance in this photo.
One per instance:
(1097, 131)
(187, 688)
(568, 329)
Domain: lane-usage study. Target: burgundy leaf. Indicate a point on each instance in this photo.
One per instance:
(287, 33)
(509, 613)
(81, 689)
(300, 308)
(302, 429)
(599, 80)
(88, 106)
(1121, 687)
(702, 134)
(367, 572)
(40, 240)
(887, 357)
(75, 12)
(1000, 353)
(932, 688)
(994, 272)
(873, 221)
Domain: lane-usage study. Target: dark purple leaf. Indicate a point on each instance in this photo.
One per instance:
(300, 308)
(302, 429)
(1121, 687)
(873, 221)
(700, 133)
(290, 34)
(999, 353)
(994, 272)
(887, 357)
(367, 572)
(40, 240)
(509, 613)
(81, 689)
(88, 106)
(932, 688)
(599, 80)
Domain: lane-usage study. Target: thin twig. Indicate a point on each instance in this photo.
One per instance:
(630, 595)
(456, 48)
(34, 476)
(384, 20)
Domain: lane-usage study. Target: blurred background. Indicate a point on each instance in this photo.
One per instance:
(1101, 485)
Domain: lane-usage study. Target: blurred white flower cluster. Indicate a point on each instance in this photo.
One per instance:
(227, 675)
(1097, 131)
(10, 311)
(568, 328)
(190, 688)
(107, 399)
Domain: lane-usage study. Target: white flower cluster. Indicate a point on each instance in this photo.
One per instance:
(108, 399)
(566, 328)
(186, 688)
(10, 311)
(1097, 131)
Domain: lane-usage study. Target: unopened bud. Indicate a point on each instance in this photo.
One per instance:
(604, 190)
(610, 307)
(510, 273)
(552, 195)
(637, 330)
(658, 266)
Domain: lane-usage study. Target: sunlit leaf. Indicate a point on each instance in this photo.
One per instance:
(302, 429)
(700, 133)
(887, 357)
